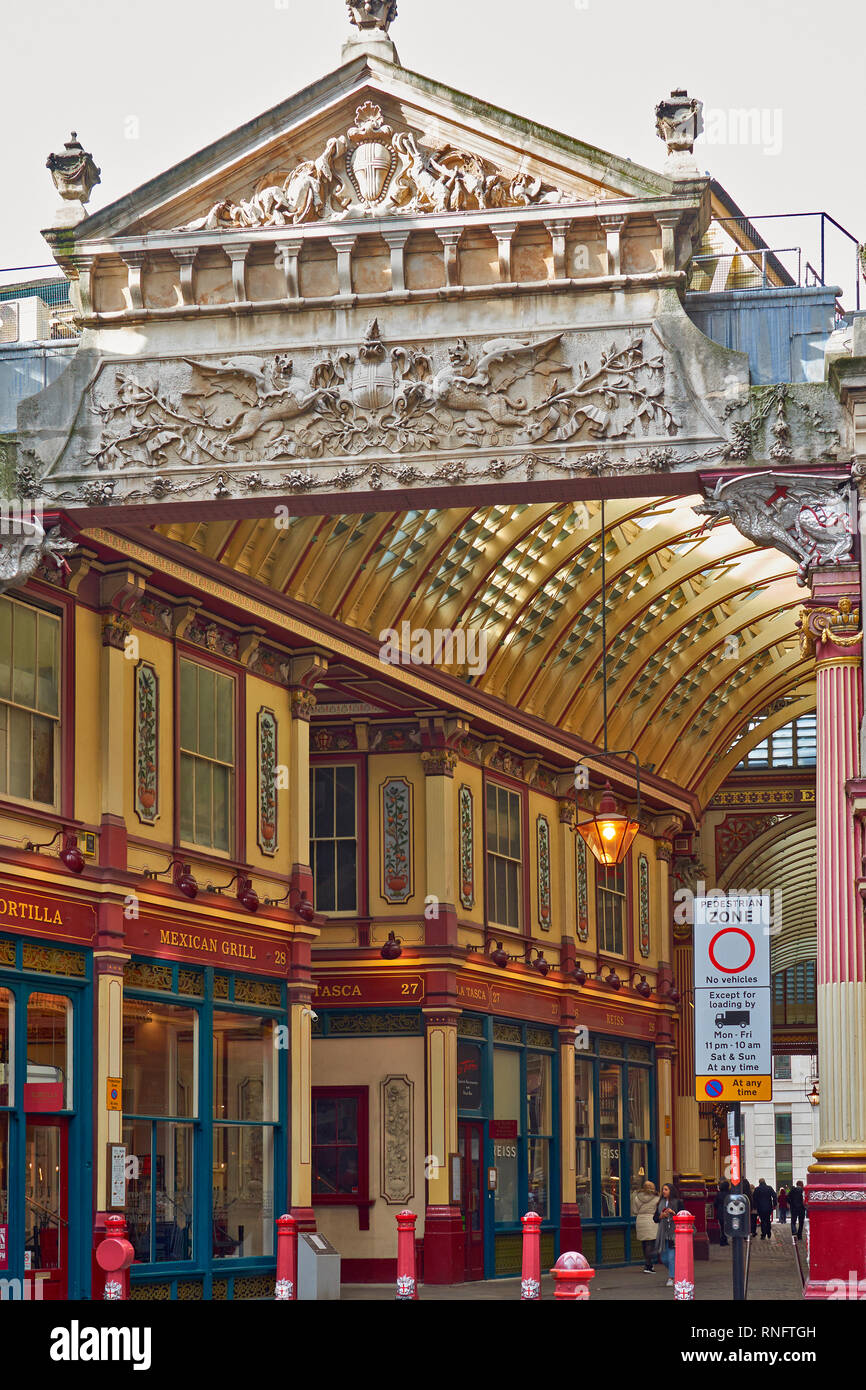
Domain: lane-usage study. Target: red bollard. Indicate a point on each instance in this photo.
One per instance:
(407, 1283)
(530, 1278)
(286, 1289)
(114, 1255)
(572, 1274)
(684, 1257)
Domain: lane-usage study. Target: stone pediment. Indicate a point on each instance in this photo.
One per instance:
(372, 141)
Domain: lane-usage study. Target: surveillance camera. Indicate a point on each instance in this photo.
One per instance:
(314, 1017)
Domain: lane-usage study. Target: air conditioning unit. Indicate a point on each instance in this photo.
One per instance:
(25, 320)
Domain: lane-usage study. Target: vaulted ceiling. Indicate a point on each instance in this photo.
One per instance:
(700, 625)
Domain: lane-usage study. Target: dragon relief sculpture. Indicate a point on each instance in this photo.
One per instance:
(27, 546)
(396, 399)
(368, 170)
(807, 518)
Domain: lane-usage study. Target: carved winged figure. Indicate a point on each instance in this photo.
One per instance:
(478, 388)
(21, 554)
(808, 519)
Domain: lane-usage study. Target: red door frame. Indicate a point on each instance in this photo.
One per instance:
(472, 1199)
(55, 1283)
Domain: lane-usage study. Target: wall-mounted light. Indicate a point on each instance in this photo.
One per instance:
(499, 955)
(245, 893)
(540, 964)
(181, 876)
(812, 1090)
(393, 948)
(70, 855)
(643, 987)
(303, 906)
(580, 974)
(666, 989)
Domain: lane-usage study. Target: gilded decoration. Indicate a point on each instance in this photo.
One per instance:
(507, 1032)
(303, 703)
(582, 890)
(254, 1287)
(146, 743)
(568, 814)
(439, 762)
(49, 960)
(466, 812)
(396, 839)
(395, 738)
(397, 1113)
(115, 631)
(330, 740)
(539, 1037)
(150, 1293)
(214, 638)
(257, 992)
(190, 1292)
(267, 781)
(735, 833)
(142, 975)
(190, 982)
(542, 828)
(470, 1027)
(838, 627)
(370, 1024)
(643, 897)
(221, 987)
(7, 952)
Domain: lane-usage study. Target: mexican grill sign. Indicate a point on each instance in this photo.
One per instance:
(733, 1046)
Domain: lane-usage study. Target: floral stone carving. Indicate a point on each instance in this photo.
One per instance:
(643, 898)
(543, 838)
(397, 886)
(467, 854)
(267, 781)
(146, 743)
(371, 170)
(389, 398)
(397, 1185)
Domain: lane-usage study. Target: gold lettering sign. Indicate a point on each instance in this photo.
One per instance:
(206, 945)
(30, 912)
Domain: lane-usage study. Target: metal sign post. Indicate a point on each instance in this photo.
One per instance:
(736, 1214)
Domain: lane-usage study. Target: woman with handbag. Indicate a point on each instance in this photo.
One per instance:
(643, 1205)
(667, 1206)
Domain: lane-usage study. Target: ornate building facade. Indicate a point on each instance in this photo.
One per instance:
(391, 481)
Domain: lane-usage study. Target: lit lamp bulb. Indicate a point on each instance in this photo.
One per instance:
(610, 833)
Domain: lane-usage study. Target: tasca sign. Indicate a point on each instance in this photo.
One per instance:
(733, 1045)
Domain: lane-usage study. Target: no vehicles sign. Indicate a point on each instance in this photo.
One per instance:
(733, 1044)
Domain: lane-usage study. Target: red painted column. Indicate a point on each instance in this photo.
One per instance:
(572, 1275)
(684, 1257)
(530, 1278)
(286, 1290)
(836, 1186)
(407, 1281)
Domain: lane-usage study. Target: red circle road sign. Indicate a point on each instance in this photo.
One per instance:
(731, 969)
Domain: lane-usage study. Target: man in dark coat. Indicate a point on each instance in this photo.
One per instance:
(797, 1205)
(719, 1206)
(765, 1205)
(753, 1215)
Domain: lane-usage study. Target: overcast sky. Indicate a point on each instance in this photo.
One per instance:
(146, 84)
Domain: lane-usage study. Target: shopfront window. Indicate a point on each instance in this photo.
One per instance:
(49, 1052)
(29, 702)
(614, 1132)
(334, 838)
(506, 1149)
(207, 757)
(159, 1073)
(585, 1132)
(245, 1110)
(539, 1103)
(7, 1033)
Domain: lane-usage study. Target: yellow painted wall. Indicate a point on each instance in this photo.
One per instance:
(88, 716)
(367, 1062)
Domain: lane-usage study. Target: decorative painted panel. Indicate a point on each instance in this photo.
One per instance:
(467, 847)
(643, 899)
(267, 783)
(397, 866)
(542, 827)
(397, 1106)
(146, 743)
(582, 891)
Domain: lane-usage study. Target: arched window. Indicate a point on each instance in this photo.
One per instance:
(794, 994)
(792, 746)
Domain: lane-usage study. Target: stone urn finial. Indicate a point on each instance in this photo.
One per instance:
(372, 20)
(679, 122)
(75, 176)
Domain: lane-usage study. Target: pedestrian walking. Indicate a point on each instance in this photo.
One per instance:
(765, 1205)
(753, 1215)
(783, 1205)
(797, 1205)
(719, 1208)
(643, 1208)
(666, 1208)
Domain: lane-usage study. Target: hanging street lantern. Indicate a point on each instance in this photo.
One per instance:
(610, 833)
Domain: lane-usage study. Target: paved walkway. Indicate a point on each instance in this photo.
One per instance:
(773, 1276)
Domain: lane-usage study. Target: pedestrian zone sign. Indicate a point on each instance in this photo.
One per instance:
(733, 1024)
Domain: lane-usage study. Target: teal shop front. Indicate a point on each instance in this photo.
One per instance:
(508, 1136)
(46, 1108)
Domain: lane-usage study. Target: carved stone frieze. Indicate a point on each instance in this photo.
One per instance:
(371, 170)
(806, 517)
(397, 1130)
